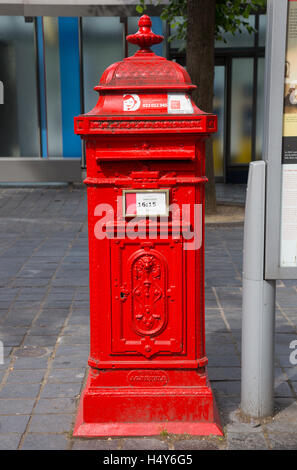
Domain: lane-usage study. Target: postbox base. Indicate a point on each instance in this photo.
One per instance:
(147, 412)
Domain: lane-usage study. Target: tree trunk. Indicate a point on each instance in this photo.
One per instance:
(200, 65)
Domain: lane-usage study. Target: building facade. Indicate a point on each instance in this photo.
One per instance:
(53, 53)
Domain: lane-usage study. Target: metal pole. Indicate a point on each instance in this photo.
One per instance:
(258, 307)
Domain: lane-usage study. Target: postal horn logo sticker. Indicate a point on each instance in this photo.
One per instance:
(131, 102)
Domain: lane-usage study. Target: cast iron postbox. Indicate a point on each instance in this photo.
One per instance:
(145, 150)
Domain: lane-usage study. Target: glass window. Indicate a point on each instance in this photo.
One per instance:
(241, 110)
(243, 39)
(260, 108)
(53, 86)
(19, 126)
(179, 44)
(262, 30)
(102, 45)
(132, 28)
(58, 40)
(219, 109)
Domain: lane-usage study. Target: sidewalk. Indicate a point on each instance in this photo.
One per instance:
(44, 325)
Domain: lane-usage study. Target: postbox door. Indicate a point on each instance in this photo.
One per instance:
(147, 298)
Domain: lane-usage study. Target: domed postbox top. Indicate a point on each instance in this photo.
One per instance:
(145, 70)
(145, 93)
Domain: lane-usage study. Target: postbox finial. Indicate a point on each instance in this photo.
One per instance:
(145, 37)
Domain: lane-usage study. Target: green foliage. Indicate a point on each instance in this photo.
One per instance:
(141, 7)
(231, 16)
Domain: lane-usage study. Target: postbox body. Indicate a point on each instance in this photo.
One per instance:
(145, 150)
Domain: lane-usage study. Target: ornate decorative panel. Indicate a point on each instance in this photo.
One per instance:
(147, 305)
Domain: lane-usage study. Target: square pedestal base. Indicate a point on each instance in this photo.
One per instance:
(127, 411)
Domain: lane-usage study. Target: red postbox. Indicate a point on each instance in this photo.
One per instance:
(145, 149)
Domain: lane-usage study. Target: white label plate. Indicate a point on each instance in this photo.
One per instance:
(146, 203)
(179, 103)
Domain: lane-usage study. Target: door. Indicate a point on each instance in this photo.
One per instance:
(219, 108)
(147, 297)
(238, 104)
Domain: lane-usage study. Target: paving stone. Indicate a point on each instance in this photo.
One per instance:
(25, 391)
(248, 441)
(283, 441)
(195, 444)
(60, 294)
(291, 372)
(144, 444)
(217, 360)
(72, 350)
(79, 312)
(75, 339)
(227, 388)
(283, 390)
(8, 331)
(45, 442)
(245, 428)
(285, 407)
(224, 373)
(28, 376)
(15, 424)
(52, 322)
(284, 360)
(74, 330)
(285, 417)
(69, 390)
(5, 364)
(9, 441)
(227, 406)
(48, 330)
(31, 363)
(96, 444)
(14, 406)
(55, 423)
(25, 282)
(66, 375)
(55, 405)
(215, 325)
(226, 349)
(13, 320)
(79, 319)
(58, 303)
(69, 362)
(45, 340)
(11, 340)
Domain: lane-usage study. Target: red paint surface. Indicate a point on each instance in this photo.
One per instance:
(147, 357)
(131, 203)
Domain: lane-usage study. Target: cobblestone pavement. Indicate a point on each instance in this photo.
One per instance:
(44, 314)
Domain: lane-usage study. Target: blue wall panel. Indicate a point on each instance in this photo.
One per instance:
(157, 27)
(70, 83)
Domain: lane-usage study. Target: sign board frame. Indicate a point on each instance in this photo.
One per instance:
(276, 41)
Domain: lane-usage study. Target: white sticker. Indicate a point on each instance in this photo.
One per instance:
(131, 102)
(179, 103)
(153, 204)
